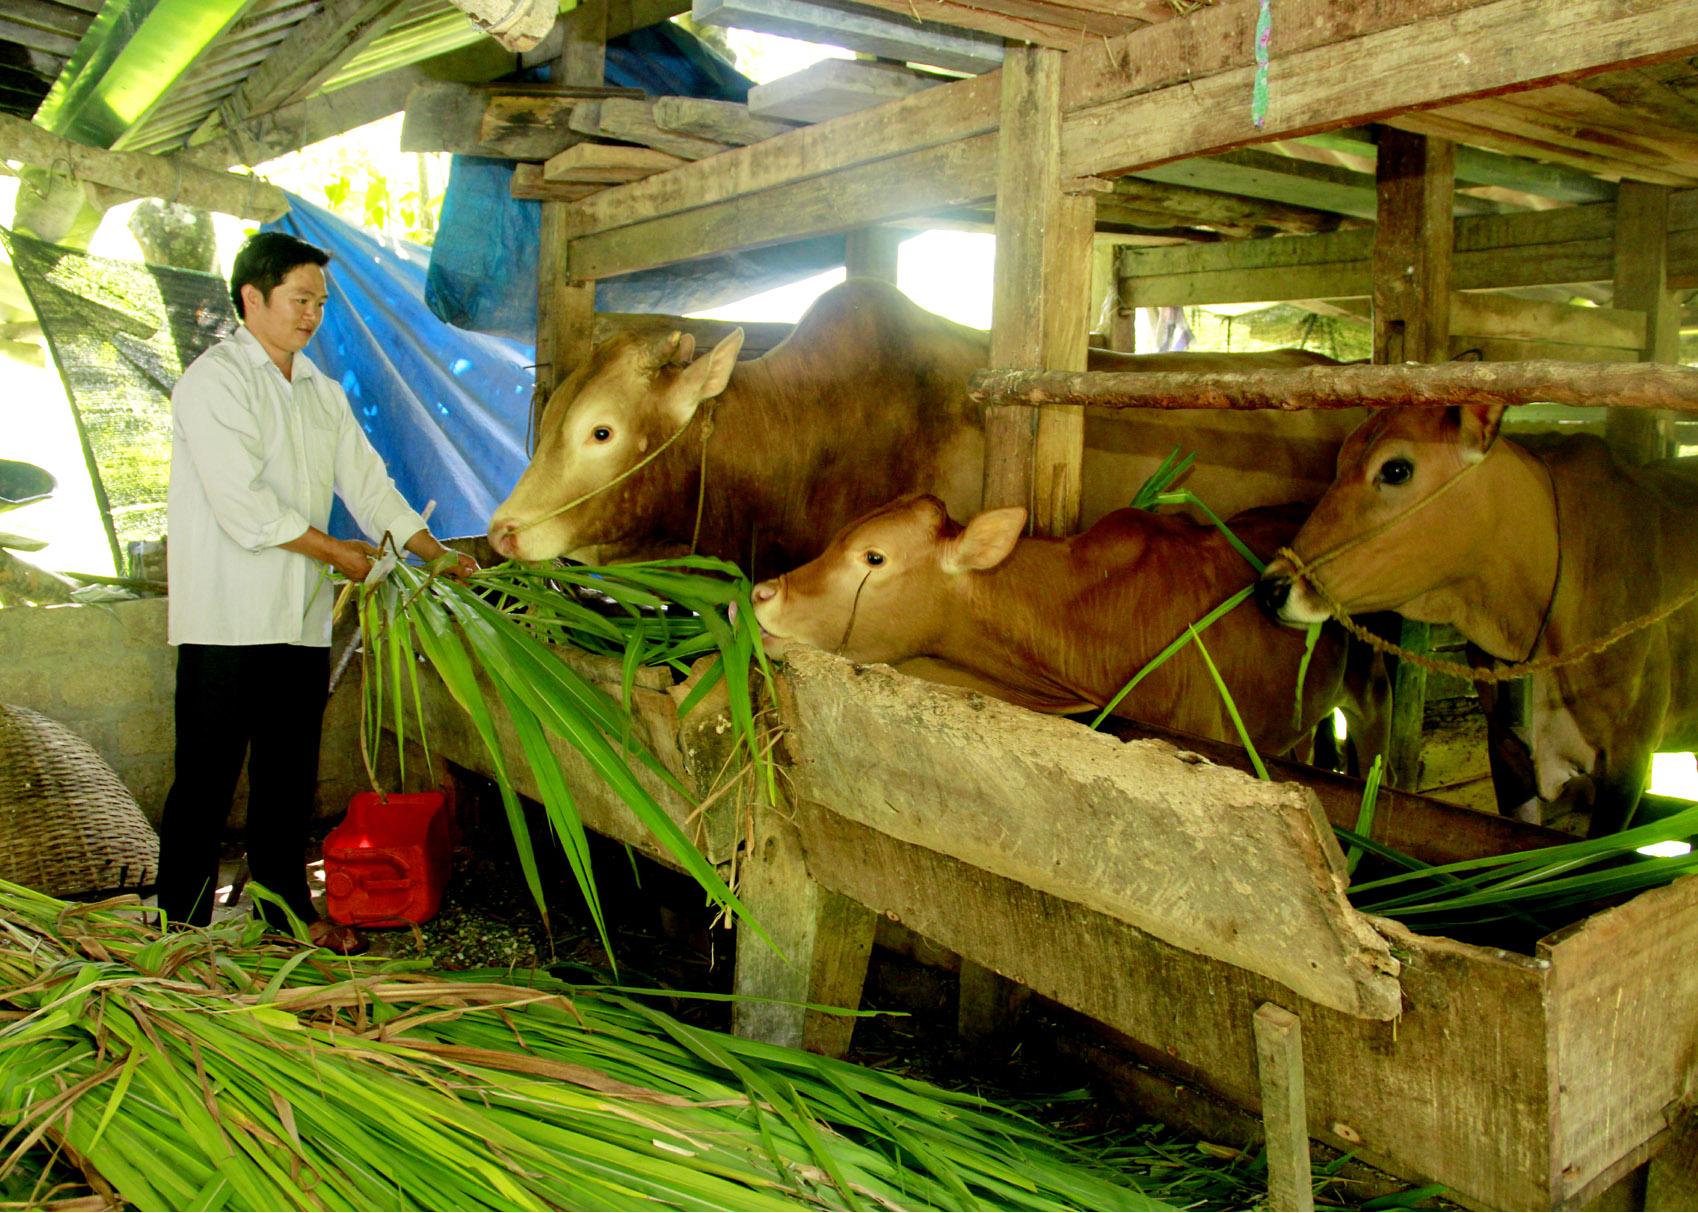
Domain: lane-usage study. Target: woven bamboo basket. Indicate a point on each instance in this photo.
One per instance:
(68, 826)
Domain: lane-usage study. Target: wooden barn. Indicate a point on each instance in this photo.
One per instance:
(1504, 191)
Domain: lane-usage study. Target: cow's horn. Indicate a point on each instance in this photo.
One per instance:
(680, 348)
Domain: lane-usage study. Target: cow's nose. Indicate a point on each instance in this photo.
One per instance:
(1272, 590)
(503, 537)
(766, 591)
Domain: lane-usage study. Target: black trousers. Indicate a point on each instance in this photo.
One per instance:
(232, 698)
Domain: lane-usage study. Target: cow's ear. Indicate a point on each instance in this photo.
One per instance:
(987, 541)
(707, 376)
(1479, 424)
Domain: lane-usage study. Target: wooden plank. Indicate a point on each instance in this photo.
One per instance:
(919, 183)
(834, 87)
(1572, 116)
(606, 164)
(632, 121)
(307, 122)
(1641, 281)
(318, 46)
(1285, 1120)
(1624, 1013)
(941, 116)
(1394, 1093)
(1042, 286)
(989, 19)
(1504, 316)
(1126, 829)
(1412, 249)
(1226, 213)
(1512, 129)
(1506, 349)
(138, 174)
(1482, 49)
(820, 945)
(872, 252)
(858, 29)
(566, 303)
(724, 122)
(509, 121)
(528, 183)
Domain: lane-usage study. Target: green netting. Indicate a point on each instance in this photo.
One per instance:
(121, 333)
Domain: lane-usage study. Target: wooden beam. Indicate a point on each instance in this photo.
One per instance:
(138, 174)
(723, 122)
(1505, 317)
(1227, 213)
(528, 184)
(511, 121)
(1032, 458)
(1641, 385)
(941, 116)
(938, 178)
(306, 122)
(316, 48)
(606, 164)
(565, 301)
(1461, 53)
(872, 252)
(904, 39)
(1285, 1118)
(1641, 282)
(834, 87)
(632, 121)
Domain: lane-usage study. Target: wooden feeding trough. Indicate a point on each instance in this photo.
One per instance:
(1171, 899)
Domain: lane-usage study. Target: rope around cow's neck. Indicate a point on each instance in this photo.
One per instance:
(1474, 673)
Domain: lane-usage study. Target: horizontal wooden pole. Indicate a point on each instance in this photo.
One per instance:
(1645, 385)
(172, 178)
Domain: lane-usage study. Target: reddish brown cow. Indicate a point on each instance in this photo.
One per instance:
(864, 401)
(1528, 556)
(1060, 625)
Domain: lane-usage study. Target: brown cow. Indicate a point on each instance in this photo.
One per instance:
(864, 401)
(1060, 625)
(1528, 556)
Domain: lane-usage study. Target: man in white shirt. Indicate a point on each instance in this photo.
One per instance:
(261, 439)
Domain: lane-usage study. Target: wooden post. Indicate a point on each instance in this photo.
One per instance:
(823, 942)
(1040, 312)
(871, 252)
(1416, 181)
(1641, 283)
(565, 308)
(1285, 1116)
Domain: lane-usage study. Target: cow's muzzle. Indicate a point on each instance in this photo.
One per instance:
(1273, 591)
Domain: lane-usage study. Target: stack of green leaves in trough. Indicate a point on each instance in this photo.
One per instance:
(222, 1070)
(495, 633)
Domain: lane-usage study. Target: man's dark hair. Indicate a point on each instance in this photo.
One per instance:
(265, 260)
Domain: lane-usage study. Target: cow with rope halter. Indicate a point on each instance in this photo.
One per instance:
(1562, 564)
(1060, 625)
(649, 451)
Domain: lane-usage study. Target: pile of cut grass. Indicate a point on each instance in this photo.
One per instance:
(222, 1069)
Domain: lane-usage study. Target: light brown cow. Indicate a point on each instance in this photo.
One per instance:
(1435, 516)
(864, 401)
(1060, 625)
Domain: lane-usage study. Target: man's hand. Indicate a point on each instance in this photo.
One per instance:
(350, 557)
(431, 550)
(353, 558)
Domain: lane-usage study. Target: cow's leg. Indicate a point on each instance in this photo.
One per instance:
(1515, 785)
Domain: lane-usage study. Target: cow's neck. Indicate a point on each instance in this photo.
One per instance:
(1502, 592)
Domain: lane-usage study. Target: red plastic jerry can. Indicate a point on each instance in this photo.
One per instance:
(388, 861)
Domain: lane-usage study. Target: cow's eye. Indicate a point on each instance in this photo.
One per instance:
(1395, 471)
(601, 433)
(874, 557)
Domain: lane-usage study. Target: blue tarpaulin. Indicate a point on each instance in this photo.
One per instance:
(448, 410)
(483, 268)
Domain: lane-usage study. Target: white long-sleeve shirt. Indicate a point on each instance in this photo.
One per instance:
(255, 459)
